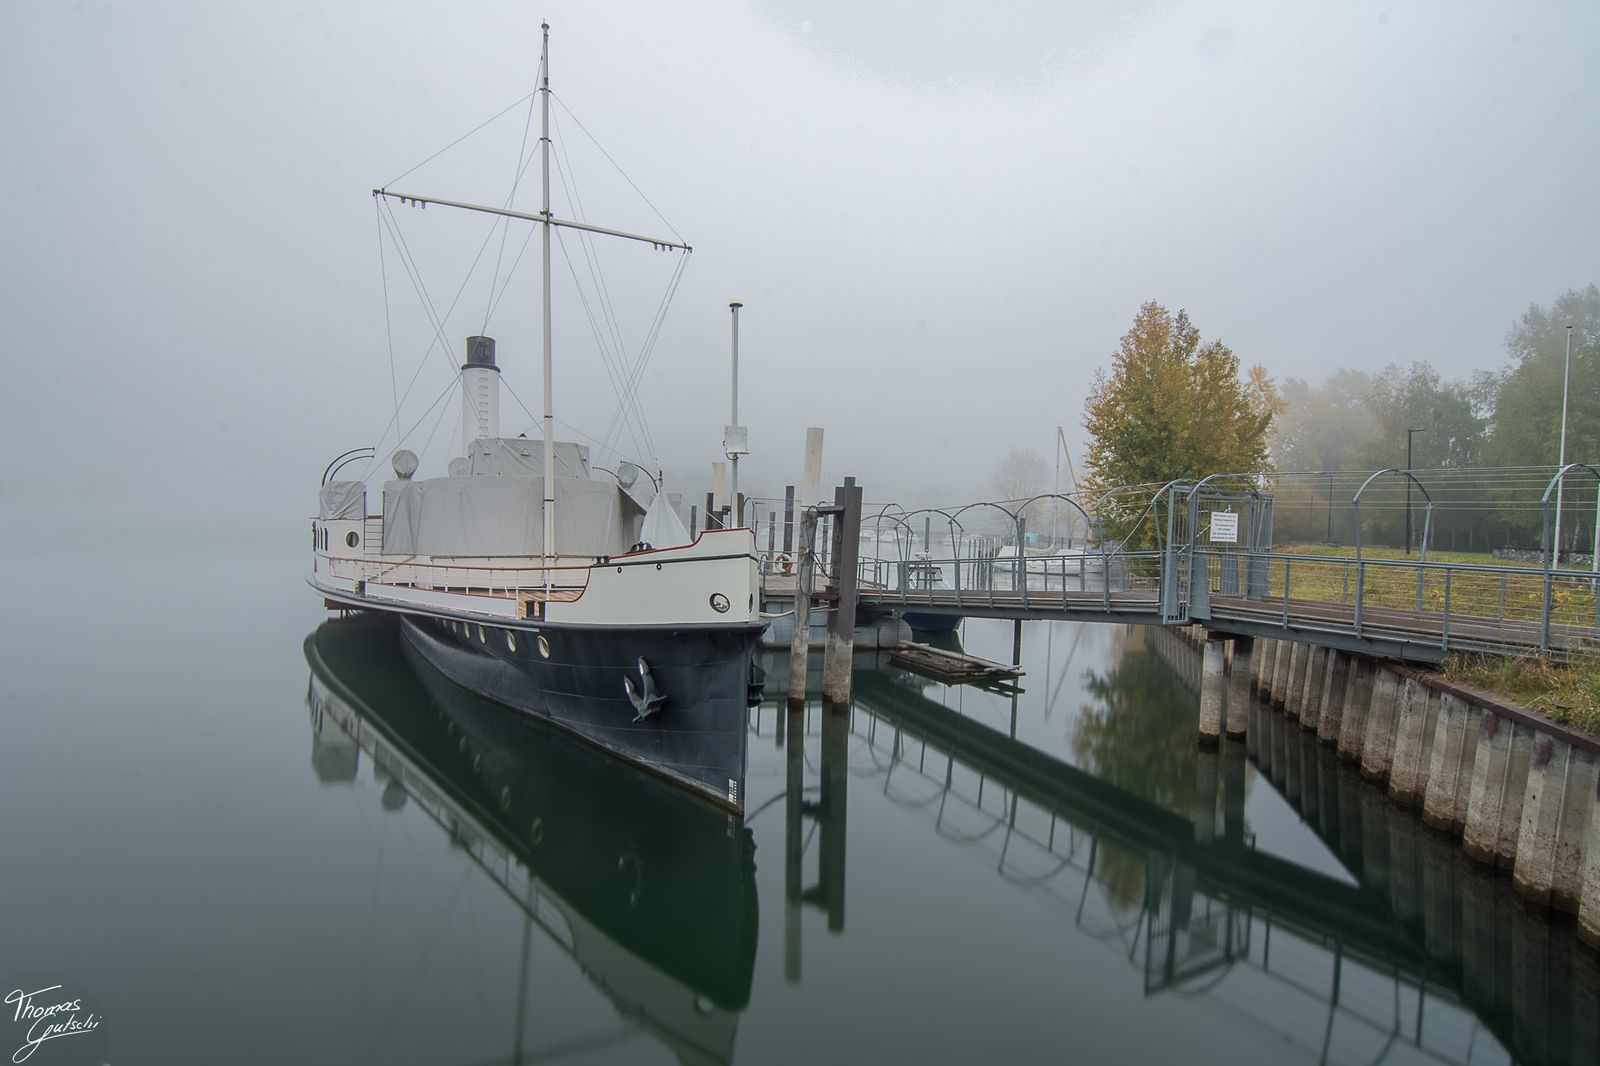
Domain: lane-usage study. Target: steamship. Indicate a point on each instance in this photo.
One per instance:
(557, 589)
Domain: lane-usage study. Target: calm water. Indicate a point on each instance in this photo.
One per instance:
(237, 844)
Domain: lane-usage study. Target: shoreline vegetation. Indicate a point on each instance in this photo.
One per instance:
(1567, 692)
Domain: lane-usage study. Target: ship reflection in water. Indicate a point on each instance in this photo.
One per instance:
(651, 891)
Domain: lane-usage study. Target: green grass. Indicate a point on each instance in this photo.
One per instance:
(1516, 593)
(1567, 692)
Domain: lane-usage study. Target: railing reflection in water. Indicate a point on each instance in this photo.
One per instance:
(1433, 960)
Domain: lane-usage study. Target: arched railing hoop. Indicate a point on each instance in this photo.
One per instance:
(1088, 520)
(1355, 502)
(1546, 548)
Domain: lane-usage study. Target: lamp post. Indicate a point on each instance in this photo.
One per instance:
(1561, 455)
(1410, 433)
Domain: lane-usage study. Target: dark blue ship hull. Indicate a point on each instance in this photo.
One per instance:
(573, 677)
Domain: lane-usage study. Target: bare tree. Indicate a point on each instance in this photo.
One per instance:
(1021, 474)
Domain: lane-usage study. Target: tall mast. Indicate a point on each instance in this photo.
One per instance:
(547, 221)
(549, 415)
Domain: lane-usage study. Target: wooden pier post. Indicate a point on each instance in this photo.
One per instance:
(800, 639)
(837, 660)
(788, 520)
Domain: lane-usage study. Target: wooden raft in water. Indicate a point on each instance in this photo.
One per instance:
(951, 667)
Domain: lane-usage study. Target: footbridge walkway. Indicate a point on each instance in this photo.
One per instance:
(1201, 551)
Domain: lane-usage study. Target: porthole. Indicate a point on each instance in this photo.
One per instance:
(544, 646)
(511, 641)
(536, 831)
(351, 540)
(483, 638)
(505, 798)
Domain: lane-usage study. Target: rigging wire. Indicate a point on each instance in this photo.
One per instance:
(586, 241)
(394, 421)
(516, 179)
(583, 298)
(614, 358)
(414, 274)
(388, 328)
(653, 333)
(614, 163)
(516, 103)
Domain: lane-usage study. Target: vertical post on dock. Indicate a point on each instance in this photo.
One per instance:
(800, 640)
(788, 520)
(711, 507)
(694, 521)
(772, 533)
(1236, 718)
(836, 662)
(1213, 692)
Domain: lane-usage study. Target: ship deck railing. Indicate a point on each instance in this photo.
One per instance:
(524, 583)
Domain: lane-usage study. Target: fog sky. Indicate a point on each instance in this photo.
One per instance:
(940, 218)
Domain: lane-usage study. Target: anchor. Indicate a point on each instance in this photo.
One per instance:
(644, 695)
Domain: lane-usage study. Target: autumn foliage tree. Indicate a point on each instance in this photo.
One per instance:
(1173, 407)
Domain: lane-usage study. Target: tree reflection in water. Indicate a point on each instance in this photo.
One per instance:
(1138, 733)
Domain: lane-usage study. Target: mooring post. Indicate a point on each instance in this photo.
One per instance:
(800, 639)
(772, 533)
(1237, 721)
(788, 520)
(1213, 693)
(837, 660)
(1265, 660)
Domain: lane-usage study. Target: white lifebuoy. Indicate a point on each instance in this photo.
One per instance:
(782, 563)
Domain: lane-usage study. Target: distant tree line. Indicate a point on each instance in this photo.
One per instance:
(1174, 407)
(1510, 418)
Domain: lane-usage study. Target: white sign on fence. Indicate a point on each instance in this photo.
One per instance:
(1225, 527)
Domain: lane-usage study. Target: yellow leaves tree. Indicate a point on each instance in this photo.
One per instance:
(1173, 407)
